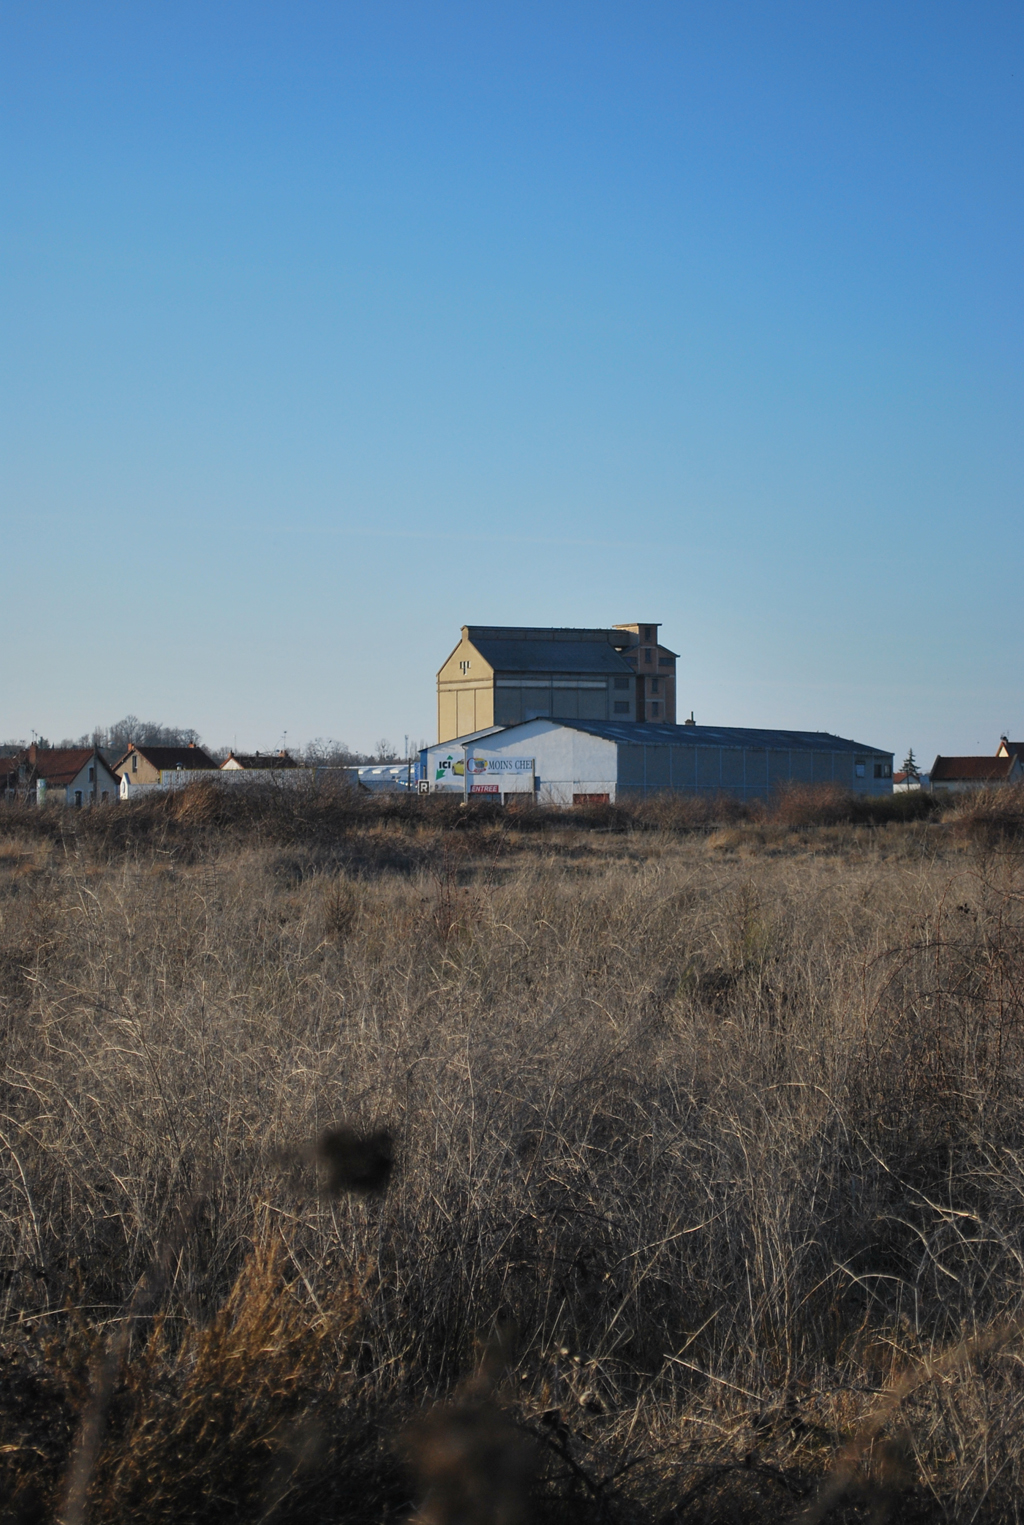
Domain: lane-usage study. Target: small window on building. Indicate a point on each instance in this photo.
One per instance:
(92, 775)
(647, 654)
(648, 632)
(654, 685)
(621, 707)
(665, 661)
(135, 762)
(78, 797)
(655, 710)
(103, 794)
(621, 682)
(859, 769)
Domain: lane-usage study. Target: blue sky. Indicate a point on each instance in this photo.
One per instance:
(327, 328)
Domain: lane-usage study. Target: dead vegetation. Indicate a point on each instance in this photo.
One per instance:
(710, 1127)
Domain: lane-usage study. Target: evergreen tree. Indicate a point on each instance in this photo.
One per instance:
(910, 767)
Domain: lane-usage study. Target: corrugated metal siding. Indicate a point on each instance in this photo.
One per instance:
(747, 773)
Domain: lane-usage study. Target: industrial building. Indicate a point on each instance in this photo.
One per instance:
(504, 675)
(567, 762)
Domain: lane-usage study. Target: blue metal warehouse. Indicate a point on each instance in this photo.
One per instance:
(601, 759)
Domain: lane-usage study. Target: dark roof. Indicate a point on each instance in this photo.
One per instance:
(650, 734)
(566, 633)
(950, 769)
(568, 657)
(260, 760)
(59, 765)
(170, 757)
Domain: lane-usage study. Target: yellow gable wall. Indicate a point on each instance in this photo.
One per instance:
(465, 700)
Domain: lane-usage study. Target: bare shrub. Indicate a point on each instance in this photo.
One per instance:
(812, 805)
(672, 811)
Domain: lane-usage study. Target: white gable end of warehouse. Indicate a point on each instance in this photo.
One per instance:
(567, 762)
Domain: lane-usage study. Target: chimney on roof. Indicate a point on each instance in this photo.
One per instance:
(691, 720)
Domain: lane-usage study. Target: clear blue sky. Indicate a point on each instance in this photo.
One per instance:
(327, 328)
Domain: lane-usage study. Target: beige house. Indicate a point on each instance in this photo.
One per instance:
(144, 764)
(501, 675)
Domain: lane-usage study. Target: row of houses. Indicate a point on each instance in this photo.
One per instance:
(80, 776)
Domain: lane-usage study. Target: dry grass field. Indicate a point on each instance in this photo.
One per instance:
(707, 1201)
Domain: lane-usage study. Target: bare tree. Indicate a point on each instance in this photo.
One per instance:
(325, 752)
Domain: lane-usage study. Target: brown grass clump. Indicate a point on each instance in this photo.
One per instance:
(989, 815)
(812, 805)
(235, 1402)
(723, 1121)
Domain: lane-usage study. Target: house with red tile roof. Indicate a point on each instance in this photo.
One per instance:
(953, 775)
(73, 776)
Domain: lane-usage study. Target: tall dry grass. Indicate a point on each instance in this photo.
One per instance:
(721, 1133)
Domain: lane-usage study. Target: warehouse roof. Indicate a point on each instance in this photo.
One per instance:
(551, 656)
(649, 734)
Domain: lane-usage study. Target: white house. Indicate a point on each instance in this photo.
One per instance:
(73, 776)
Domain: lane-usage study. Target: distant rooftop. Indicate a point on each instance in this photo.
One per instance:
(259, 760)
(188, 756)
(947, 770)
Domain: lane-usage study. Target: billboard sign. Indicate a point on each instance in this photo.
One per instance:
(497, 773)
(448, 770)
